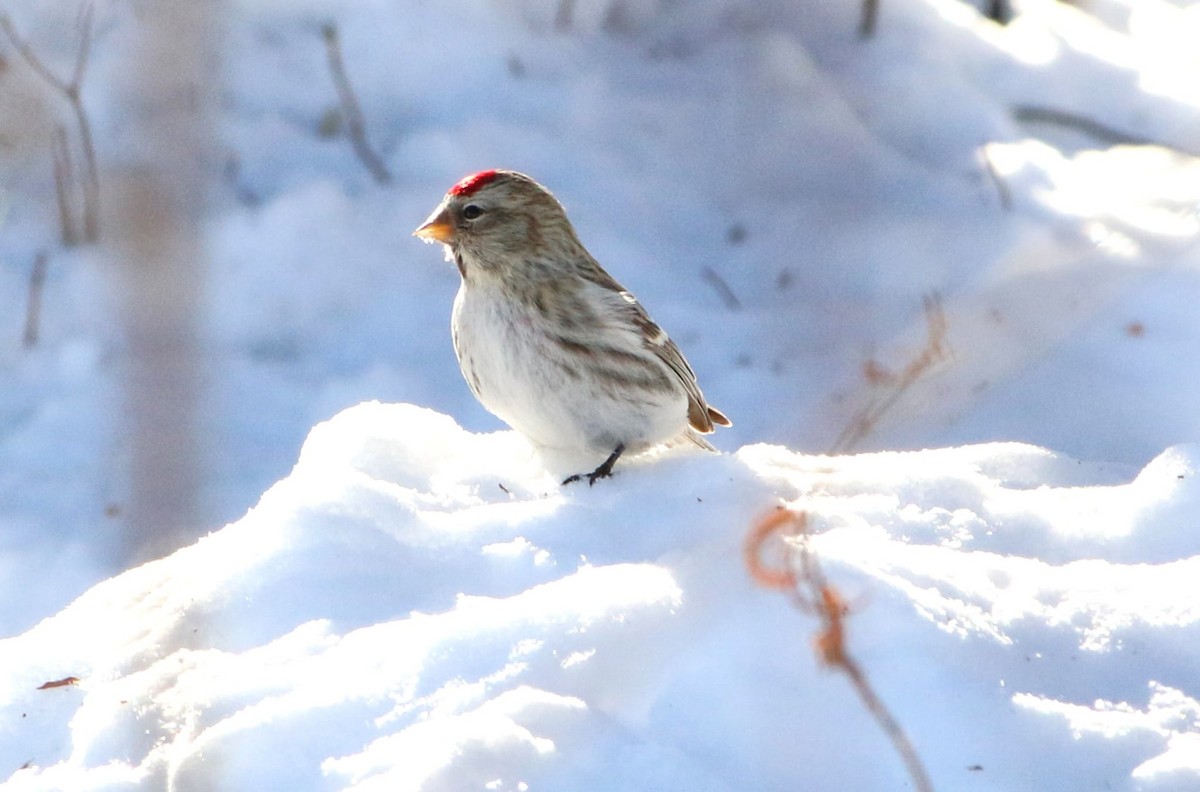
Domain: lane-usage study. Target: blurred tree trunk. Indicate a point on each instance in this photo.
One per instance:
(160, 193)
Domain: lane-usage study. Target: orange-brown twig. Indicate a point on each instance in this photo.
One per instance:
(801, 577)
(781, 576)
(935, 350)
(57, 683)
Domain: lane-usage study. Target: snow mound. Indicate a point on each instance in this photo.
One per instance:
(419, 607)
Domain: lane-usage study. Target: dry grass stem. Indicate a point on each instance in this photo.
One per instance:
(351, 111)
(798, 574)
(935, 351)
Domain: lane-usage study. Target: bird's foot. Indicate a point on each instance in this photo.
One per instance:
(604, 471)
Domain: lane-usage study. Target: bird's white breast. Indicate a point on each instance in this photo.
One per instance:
(523, 376)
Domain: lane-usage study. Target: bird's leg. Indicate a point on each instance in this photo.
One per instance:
(604, 471)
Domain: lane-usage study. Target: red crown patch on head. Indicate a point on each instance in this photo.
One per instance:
(473, 182)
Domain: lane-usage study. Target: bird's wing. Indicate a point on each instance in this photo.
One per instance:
(701, 417)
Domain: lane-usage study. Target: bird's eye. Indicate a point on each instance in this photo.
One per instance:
(472, 211)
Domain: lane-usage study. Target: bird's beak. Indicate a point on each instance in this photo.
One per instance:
(437, 228)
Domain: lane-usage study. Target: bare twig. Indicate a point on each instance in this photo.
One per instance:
(33, 310)
(63, 168)
(91, 178)
(935, 351)
(564, 17)
(72, 91)
(1001, 185)
(351, 111)
(801, 577)
(34, 62)
(721, 287)
(1094, 129)
(870, 15)
(85, 46)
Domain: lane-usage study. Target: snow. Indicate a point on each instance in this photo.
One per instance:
(385, 588)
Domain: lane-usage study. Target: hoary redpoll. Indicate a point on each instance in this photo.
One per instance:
(547, 340)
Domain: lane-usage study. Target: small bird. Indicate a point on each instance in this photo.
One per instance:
(547, 340)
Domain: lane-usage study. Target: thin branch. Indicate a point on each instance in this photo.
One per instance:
(72, 91)
(870, 15)
(35, 63)
(91, 177)
(935, 350)
(85, 47)
(564, 17)
(721, 287)
(799, 574)
(33, 310)
(63, 168)
(351, 110)
(1030, 114)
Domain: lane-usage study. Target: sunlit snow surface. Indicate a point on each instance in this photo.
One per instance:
(419, 605)
(416, 606)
